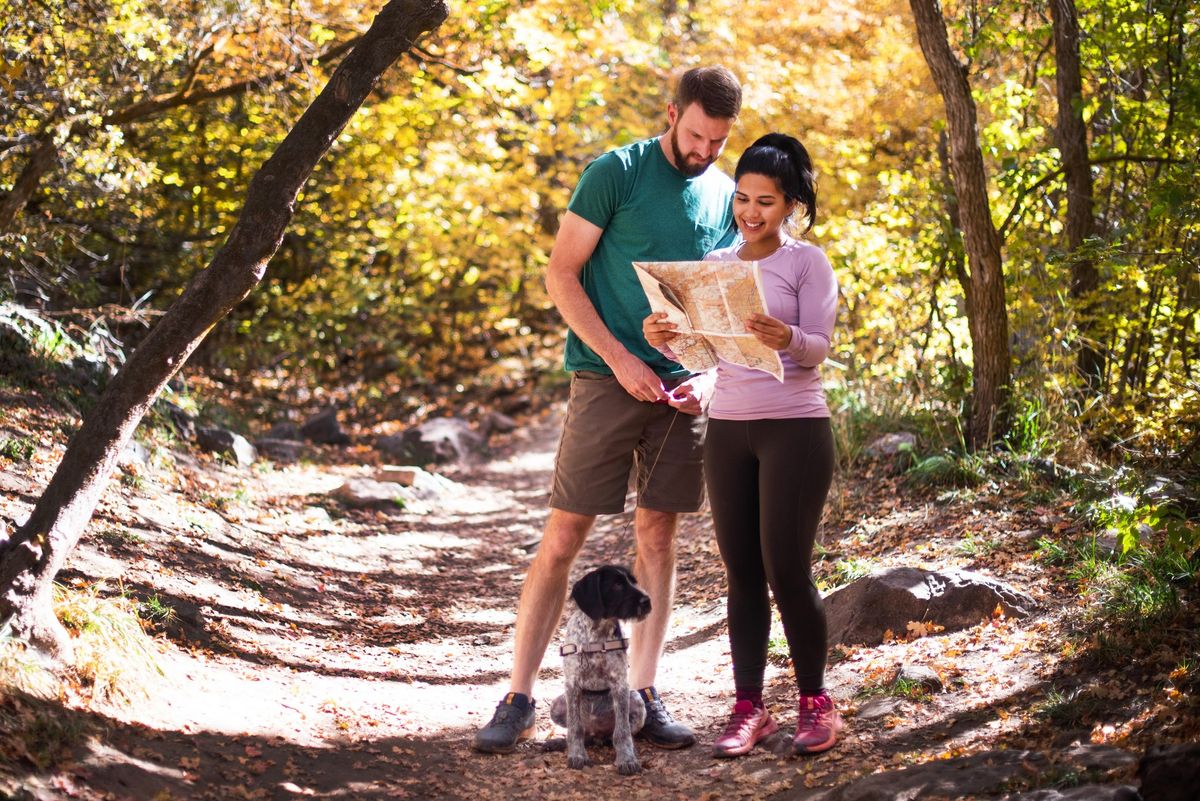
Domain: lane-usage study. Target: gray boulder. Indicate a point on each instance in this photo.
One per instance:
(1085, 792)
(323, 428)
(1171, 772)
(367, 493)
(957, 599)
(442, 440)
(134, 456)
(183, 423)
(890, 444)
(281, 451)
(497, 423)
(226, 443)
(284, 429)
(978, 774)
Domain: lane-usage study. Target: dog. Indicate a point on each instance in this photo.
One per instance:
(594, 662)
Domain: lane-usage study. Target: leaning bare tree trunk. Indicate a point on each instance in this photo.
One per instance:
(1072, 145)
(43, 158)
(987, 315)
(38, 549)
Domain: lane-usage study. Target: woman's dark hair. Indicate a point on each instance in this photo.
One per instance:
(783, 158)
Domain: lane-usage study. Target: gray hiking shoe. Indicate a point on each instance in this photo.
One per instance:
(660, 728)
(513, 721)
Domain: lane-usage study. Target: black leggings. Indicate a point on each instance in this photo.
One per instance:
(767, 481)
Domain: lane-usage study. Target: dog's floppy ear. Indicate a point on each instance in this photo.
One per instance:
(588, 594)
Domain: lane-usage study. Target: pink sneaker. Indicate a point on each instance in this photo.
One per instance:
(817, 726)
(747, 725)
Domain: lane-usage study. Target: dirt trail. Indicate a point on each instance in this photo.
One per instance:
(330, 653)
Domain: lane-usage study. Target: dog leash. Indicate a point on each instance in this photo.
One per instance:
(649, 473)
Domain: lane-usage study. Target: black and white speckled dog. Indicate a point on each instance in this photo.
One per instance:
(594, 659)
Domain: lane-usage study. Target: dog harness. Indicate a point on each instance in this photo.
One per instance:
(618, 644)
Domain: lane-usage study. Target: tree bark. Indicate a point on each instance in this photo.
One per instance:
(987, 315)
(35, 553)
(1071, 135)
(45, 154)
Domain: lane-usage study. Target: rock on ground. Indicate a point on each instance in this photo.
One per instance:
(956, 599)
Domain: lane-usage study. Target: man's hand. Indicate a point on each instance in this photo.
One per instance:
(657, 330)
(775, 334)
(637, 379)
(693, 395)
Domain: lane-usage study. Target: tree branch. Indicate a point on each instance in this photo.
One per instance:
(1014, 213)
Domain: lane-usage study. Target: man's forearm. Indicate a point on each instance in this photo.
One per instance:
(580, 314)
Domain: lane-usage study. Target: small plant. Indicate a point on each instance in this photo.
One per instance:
(898, 687)
(115, 535)
(977, 545)
(851, 569)
(154, 611)
(948, 470)
(19, 449)
(133, 481)
(113, 655)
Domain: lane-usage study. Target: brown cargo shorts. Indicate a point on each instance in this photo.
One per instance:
(607, 432)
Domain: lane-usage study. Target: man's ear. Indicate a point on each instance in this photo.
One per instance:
(588, 596)
(672, 114)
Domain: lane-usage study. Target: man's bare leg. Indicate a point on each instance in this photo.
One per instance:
(544, 593)
(541, 605)
(655, 571)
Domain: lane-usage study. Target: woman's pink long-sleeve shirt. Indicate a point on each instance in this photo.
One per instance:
(800, 290)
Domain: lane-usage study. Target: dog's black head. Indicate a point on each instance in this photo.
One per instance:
(611, 591)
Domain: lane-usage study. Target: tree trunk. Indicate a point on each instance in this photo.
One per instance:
(45, 153)
(1071, 135)
(987, 316)
(37, 550)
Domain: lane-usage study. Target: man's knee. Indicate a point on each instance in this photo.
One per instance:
(656, 534)
(564, 537)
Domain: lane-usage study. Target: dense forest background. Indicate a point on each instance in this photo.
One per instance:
(131, 128)
(1007, 193)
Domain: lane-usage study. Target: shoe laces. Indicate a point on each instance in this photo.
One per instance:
(657, 710)
(506, 712)
(740, 719)
(812, 709)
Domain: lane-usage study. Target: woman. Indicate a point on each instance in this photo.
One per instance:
(768, 456)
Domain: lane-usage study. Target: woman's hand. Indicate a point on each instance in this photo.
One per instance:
(657, 331)
(775, 334)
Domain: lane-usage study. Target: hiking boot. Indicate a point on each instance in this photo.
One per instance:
(513, 722)
(747, 725)
(817, 725)
(660, 729)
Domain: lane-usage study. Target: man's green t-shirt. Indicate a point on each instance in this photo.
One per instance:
(649, 212)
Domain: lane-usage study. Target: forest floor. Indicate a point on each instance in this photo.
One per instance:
(325, 652)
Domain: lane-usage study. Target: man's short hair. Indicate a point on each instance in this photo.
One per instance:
(714, 88)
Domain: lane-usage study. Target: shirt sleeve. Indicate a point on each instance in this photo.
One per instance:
(817, 300)
(599, 192)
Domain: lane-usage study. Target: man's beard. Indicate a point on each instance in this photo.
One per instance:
(691, 170)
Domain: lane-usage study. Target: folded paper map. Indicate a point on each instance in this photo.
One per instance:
(709, 303)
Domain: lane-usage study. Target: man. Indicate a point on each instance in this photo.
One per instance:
(655, 200)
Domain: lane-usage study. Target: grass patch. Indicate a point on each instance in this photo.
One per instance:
(18, 449)
(114, 657)
(948, 469)
(898, 687)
